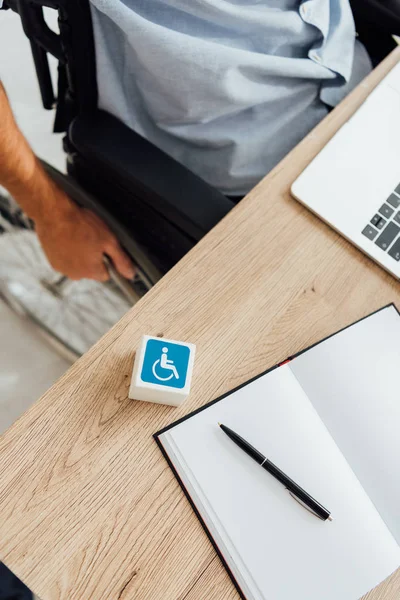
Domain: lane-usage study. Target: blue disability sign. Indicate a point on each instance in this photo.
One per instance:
(165, 363)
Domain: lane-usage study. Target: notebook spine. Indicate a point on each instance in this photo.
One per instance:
(285, 362)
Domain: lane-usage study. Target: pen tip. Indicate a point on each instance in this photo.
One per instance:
(330, 518)
(219, 424)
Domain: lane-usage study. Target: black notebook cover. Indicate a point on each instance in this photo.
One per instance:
(195, 412)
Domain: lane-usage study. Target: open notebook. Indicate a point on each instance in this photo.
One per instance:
(330, 419)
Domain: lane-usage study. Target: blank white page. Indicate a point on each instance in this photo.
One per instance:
(270, 542)
(353, 381)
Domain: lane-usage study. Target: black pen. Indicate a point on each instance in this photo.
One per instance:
(294, 490)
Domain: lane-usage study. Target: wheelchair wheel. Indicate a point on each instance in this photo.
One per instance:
(71, 315)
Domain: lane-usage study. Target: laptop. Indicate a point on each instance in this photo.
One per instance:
(353, 184)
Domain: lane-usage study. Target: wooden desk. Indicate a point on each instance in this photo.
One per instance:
(89, 509)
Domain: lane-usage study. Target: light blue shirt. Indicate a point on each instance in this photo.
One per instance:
(227, 87)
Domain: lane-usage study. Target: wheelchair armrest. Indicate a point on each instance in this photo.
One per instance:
(176, 193)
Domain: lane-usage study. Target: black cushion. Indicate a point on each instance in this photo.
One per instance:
(168, 187)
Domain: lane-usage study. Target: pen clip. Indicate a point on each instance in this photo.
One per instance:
(304, 505)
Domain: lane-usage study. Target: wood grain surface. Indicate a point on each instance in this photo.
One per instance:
(89, 509)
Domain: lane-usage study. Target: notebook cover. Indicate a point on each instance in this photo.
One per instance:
(195, 412)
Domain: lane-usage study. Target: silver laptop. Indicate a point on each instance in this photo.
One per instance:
(354, 182)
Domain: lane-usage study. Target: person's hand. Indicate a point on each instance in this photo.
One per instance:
(75, 240)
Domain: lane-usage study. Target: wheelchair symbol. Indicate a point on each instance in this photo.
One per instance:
(167, 365)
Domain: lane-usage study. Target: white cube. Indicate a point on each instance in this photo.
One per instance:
(162, 372)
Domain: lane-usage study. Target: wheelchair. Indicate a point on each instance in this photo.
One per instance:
(157, 208)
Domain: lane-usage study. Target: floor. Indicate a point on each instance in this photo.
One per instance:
(27, 365)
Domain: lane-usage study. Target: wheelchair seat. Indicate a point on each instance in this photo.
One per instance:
(163, 205)
(172, 191)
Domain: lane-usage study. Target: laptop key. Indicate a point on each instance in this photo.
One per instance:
(386, 210)
(387, 236)
(397, 190)
(370, 232)
(397, 218)
(394, 201)
(378, 221)
(394, 251)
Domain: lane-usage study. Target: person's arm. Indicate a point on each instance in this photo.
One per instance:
(74, 239)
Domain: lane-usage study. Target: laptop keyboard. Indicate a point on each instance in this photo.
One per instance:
(384, 227)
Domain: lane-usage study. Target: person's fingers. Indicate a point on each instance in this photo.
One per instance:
(87, 266)
(121, 260)
(97, 272)
(101, 273)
